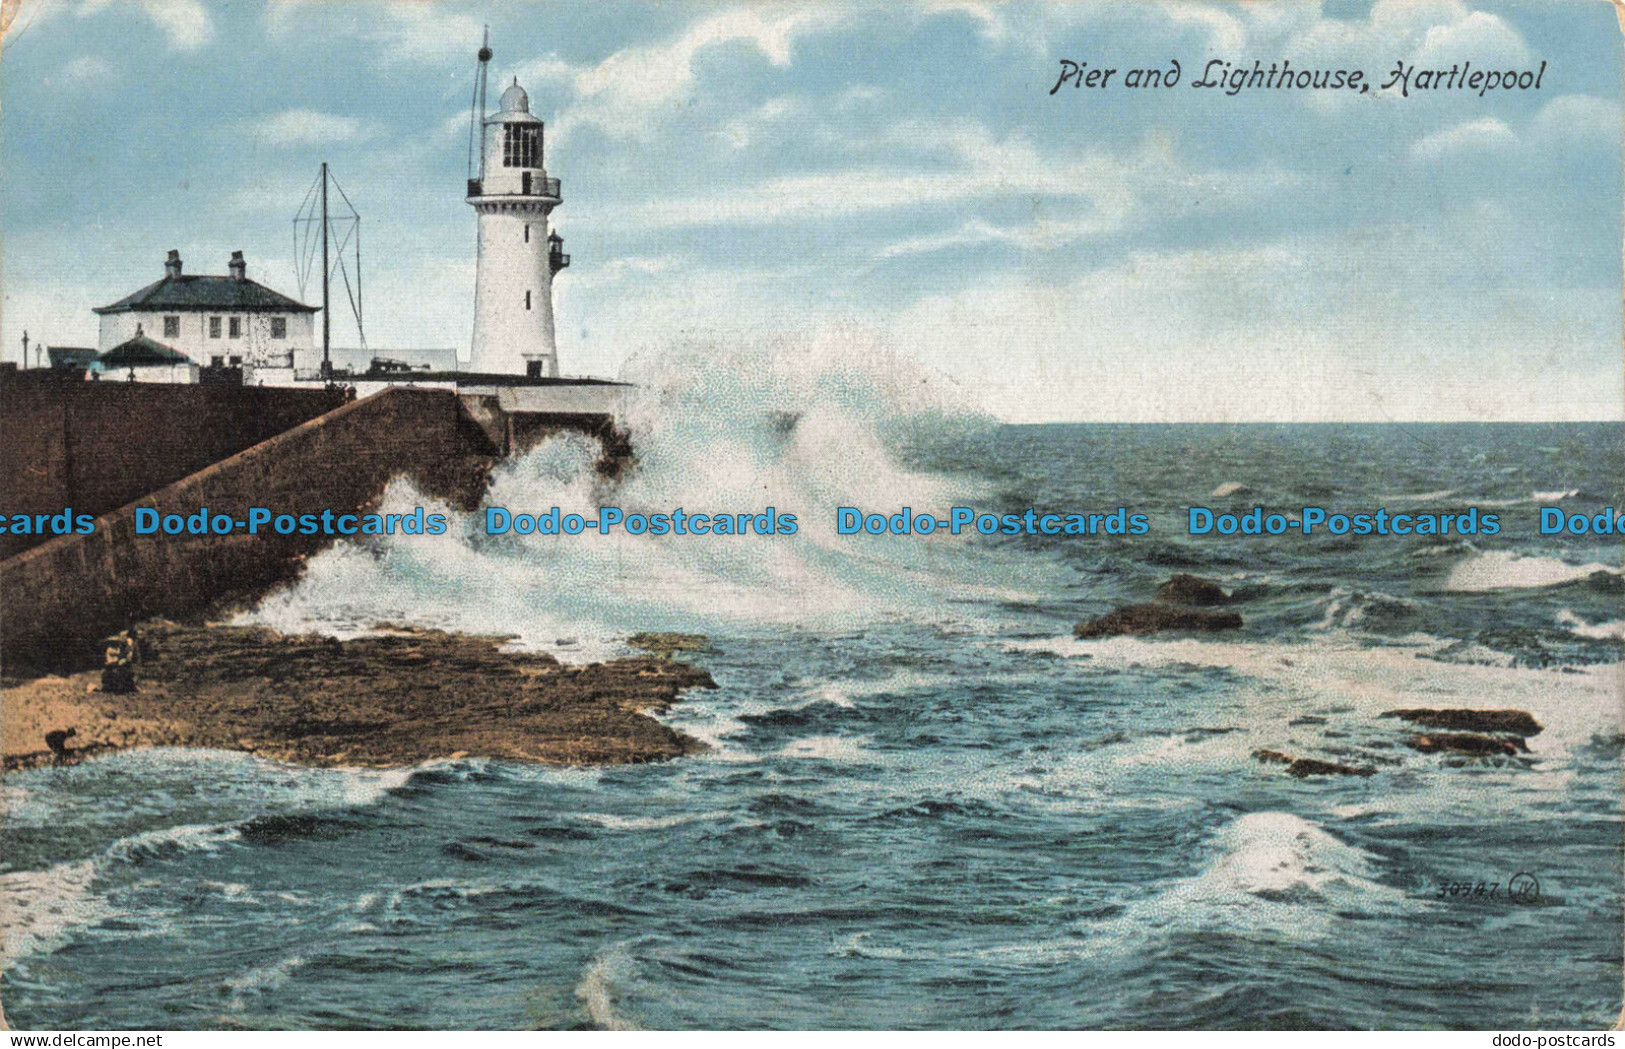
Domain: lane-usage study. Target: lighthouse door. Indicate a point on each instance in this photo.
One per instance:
(525, 183)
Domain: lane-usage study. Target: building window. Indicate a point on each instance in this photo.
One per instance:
(236, 361)
(214, 327)
(279, 327)
(172, 327)
(527, 234)
(521, 146)
(527, 300)
(217, 361)
(236, 327)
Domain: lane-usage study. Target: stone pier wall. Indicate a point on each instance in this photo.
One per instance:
(94, 446)
(59, 598)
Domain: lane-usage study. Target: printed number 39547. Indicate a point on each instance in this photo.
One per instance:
(1520, 888)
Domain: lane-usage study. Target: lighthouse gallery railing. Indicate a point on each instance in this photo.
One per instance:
(539, 187)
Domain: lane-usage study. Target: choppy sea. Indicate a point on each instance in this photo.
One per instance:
(925, 804)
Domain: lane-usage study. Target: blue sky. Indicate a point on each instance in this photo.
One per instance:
(879, 177)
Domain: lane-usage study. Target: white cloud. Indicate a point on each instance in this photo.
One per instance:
(306, 127)
(187, 23)
(404, 30)
(1426, 32)
(1579, 116)
(987, 13)
(87, 68)
(741, 131)
(626, 92)
(1564, 119)
(1096, 193)
(1480, 38)
(1474, 136)
(1225, 30)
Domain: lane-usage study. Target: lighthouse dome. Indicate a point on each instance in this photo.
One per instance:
(514, 100)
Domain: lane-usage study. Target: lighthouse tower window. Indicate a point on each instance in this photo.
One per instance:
(527, 300)
(521, 146)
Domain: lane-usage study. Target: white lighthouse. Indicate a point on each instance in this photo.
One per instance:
(518, 254)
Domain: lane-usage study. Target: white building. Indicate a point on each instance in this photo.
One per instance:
(141, 359)
(226, 322)
(517, 256)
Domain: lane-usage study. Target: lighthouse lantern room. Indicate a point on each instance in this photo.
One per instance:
(518, 254)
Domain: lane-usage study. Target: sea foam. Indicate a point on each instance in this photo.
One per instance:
(1505, 570)
(716, 429)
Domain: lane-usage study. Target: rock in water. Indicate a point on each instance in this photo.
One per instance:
(1518, 723)
(1155, 619)
(1606, 582)
(1185, 589)
(1229, 488)
(1463, 743)
(1311, 767)
(1302, 767)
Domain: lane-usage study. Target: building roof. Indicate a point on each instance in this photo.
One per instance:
(71, 356)
(209, 294)
(142, 352)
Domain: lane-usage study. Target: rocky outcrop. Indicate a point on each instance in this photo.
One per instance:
(1518, 723)
(1185, 589)
(391, 699)
(1156, 619)
(1480, 732)
(666, 645)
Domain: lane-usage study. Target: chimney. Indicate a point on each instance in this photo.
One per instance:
(172, 265)
(238, 268)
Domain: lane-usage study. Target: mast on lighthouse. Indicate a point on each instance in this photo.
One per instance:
(517, 257)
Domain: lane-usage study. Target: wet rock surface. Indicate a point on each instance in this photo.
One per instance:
(1513, 722)
(666, 644)
(1305, 767)
(1180, 603)
(1185, 589)
(1464, 743)
(1154, 619)
(392, 699)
